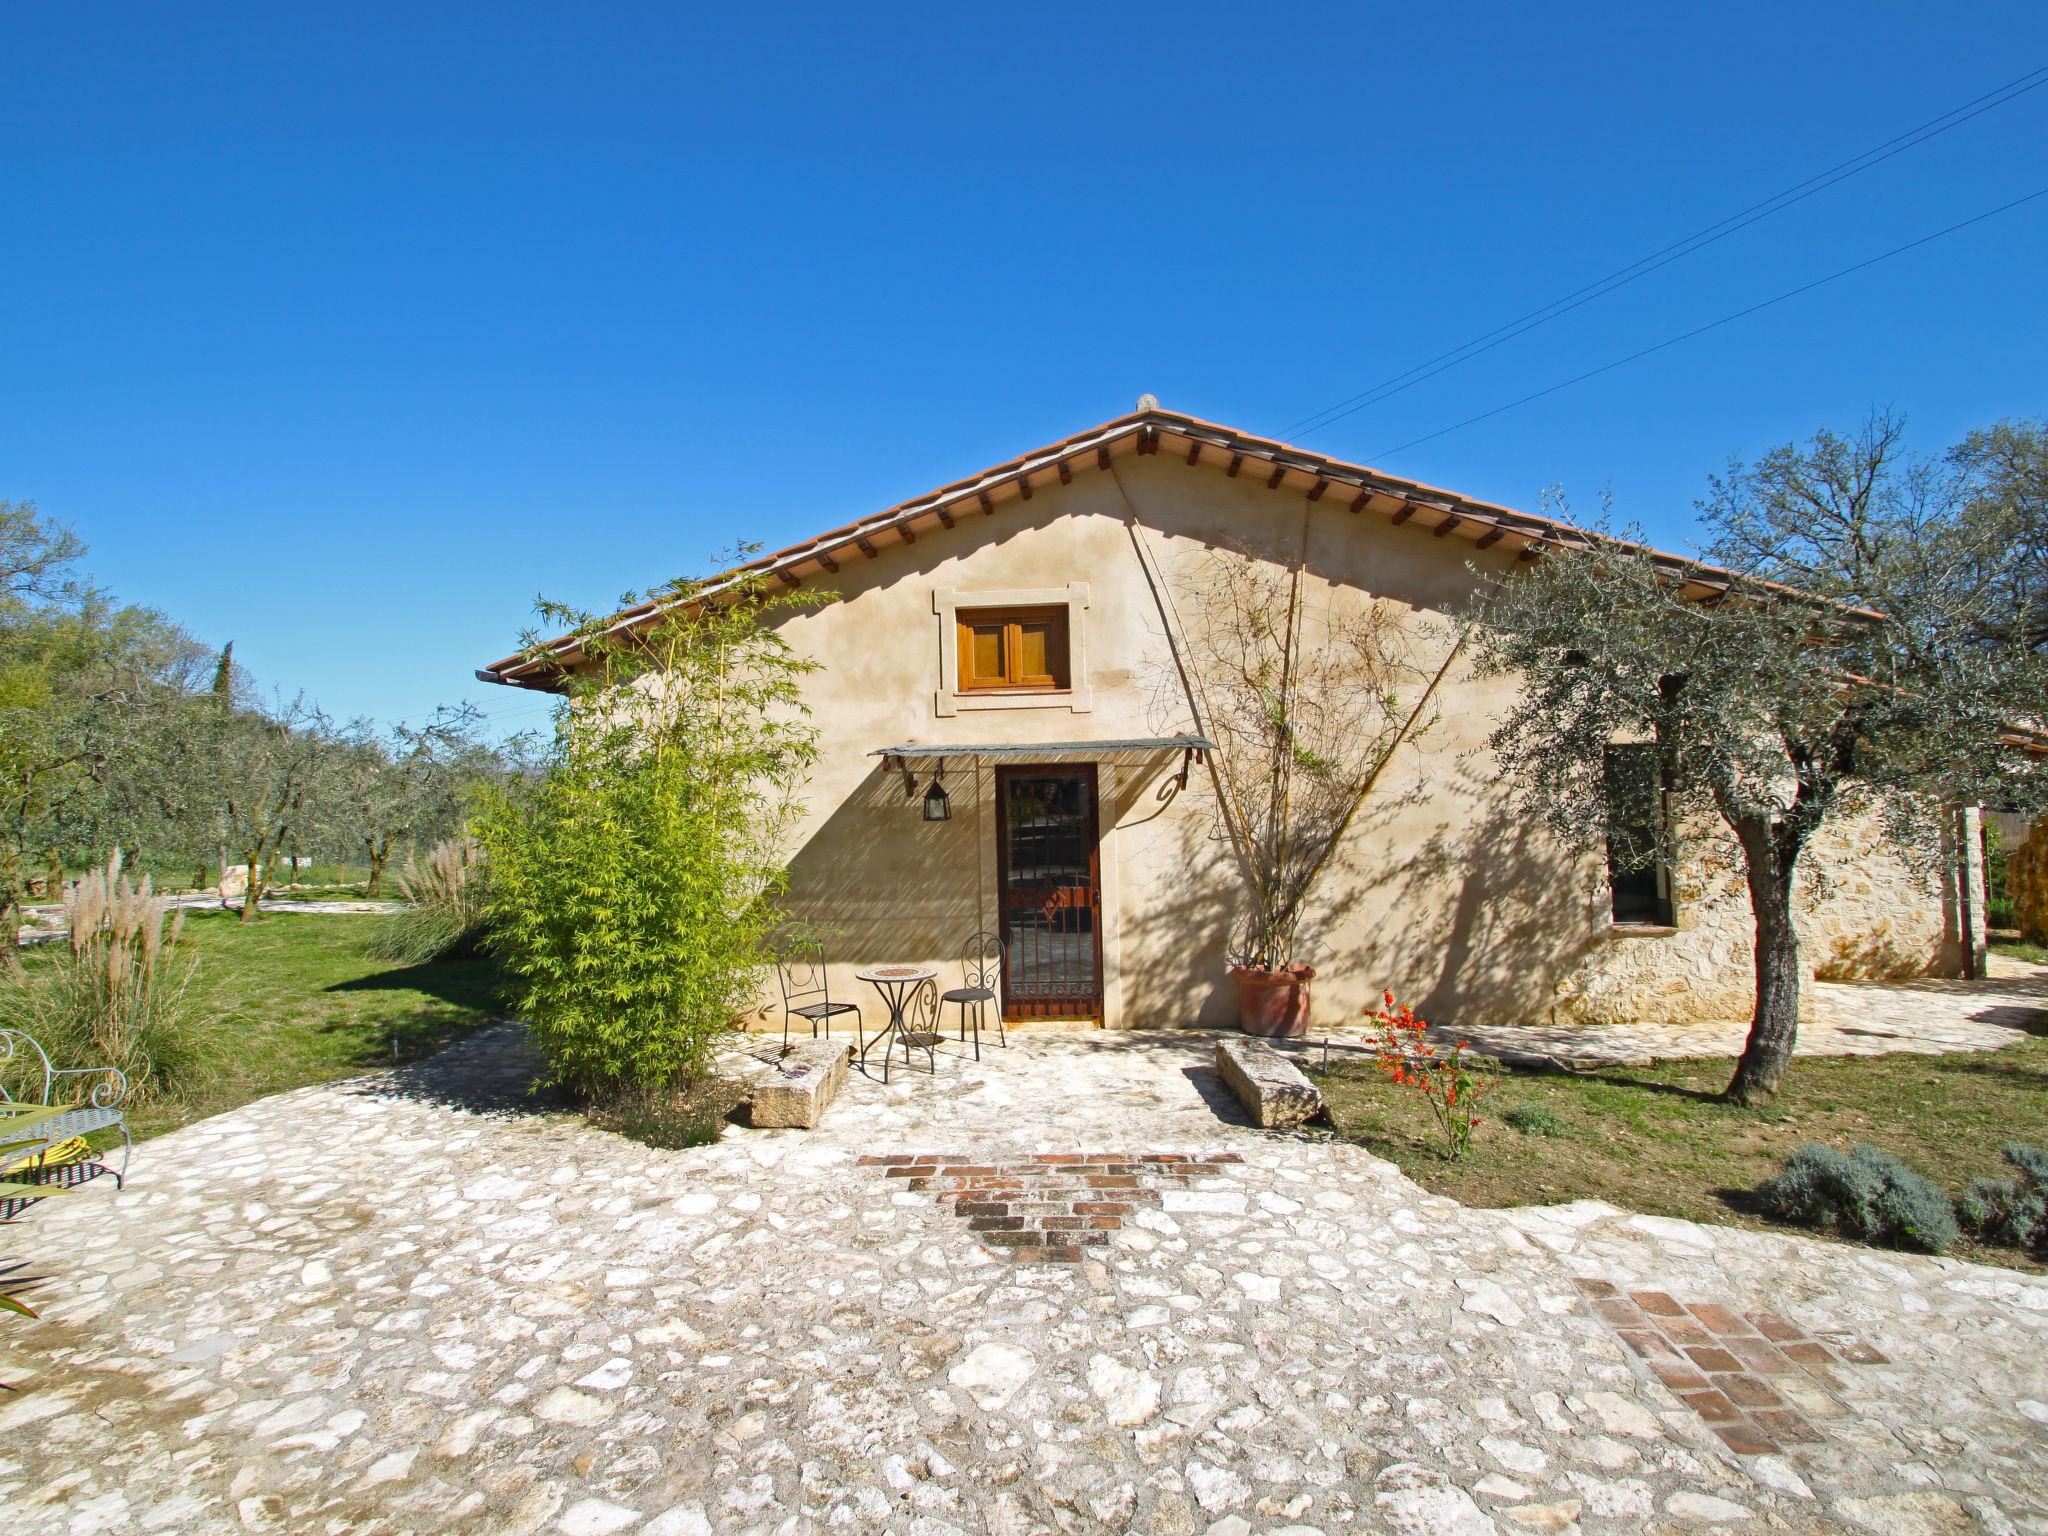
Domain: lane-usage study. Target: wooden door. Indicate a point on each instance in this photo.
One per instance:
(1048, 871)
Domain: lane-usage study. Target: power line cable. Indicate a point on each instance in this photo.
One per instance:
(1699, 240)
(1790, 293)
(1685, 247)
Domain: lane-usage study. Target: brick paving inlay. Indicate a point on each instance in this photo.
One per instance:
(1045, 1209)
(1756, 1379)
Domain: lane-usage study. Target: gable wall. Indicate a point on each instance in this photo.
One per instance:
(1439, 894)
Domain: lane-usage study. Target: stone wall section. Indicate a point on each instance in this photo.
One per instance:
(1866, 910)
(2026, 882)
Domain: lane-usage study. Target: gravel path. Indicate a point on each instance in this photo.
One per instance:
(50, 927)
(1849, 1018)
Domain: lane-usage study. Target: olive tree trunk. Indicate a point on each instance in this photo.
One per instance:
(12, 894)
(259, 860)
(1770, 861)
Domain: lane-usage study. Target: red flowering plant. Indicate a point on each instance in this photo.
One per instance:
(1452, 1082)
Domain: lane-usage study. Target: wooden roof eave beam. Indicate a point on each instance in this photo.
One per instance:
(944, 509)
(1378, 498)
(1146, 437)
(533, 682)
(1324, 474)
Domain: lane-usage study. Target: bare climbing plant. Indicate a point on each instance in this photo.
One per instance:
(1309, 692)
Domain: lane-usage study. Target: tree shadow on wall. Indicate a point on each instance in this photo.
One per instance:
(1187, 937)
(879, 885)
(1479, 921)
(1486, 917)
(1176, 937)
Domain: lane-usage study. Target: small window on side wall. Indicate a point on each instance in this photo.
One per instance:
(1013, 650)
(1636, 869)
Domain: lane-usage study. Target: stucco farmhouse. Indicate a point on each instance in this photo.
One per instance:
(1012, 743)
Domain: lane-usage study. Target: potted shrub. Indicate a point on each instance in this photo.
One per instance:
(1307, 703)
(1272, 1001)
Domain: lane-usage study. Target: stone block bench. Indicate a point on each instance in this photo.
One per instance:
(1270, 1087)
(792, 1092)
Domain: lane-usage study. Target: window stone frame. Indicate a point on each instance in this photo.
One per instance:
(1078, 697)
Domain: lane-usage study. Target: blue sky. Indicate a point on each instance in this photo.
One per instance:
(344, 332)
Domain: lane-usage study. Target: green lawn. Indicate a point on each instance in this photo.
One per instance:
(2020, 949)
(301, 1000)
(1656, 1140)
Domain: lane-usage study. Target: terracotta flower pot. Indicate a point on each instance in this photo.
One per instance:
(1273, 1002)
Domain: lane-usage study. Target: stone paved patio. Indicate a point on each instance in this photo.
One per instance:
(404, 1305)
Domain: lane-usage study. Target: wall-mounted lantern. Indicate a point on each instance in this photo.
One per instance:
(936, 806)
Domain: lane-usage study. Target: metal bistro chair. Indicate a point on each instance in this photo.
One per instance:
(981, 975)
(920, 1028)
(807, 994)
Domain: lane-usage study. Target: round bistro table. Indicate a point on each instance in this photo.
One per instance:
(895, 983)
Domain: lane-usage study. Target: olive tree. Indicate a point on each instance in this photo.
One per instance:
(39, 559)
(2004, 472)
(274, 766)
(408, 788)
(1850, 642)
(86, 688)
(151, 795)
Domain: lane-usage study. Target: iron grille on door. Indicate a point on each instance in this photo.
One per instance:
(1050, 897)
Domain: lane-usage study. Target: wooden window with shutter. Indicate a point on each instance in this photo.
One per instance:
(1013, 650)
